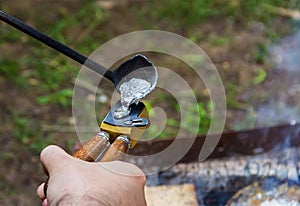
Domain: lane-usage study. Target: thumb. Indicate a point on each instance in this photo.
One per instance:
(54, 158)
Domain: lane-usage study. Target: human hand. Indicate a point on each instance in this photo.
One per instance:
(76, 182)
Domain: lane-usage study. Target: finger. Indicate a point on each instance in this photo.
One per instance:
(45, 170)
(40, 191)
(45, 202)
(54, 158)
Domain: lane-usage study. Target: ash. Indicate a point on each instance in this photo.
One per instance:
(217, 180)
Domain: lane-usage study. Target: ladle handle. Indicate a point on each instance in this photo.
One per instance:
(18, 24)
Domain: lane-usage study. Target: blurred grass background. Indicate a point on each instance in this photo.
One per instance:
(47, 77)
(36, 83)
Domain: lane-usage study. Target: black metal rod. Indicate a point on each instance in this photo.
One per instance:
(16, 23)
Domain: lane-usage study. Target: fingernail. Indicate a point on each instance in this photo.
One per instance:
(45, 202)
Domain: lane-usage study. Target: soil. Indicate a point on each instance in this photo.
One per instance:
(20, 170)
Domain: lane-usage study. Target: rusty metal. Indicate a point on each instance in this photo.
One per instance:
(232, 143)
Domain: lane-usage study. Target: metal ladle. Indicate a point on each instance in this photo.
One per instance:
(136, 67)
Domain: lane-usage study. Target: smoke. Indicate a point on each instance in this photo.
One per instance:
(286, 53)
(283, 105)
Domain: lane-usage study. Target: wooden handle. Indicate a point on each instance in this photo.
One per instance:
(117, 150)
(92, 149)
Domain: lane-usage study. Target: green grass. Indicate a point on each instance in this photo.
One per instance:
(10, 69)
(231, 95)
(27, 131)
(52, 71)
(186, 13)
(201, 111)
(62, 97)
(48, 75)
(37, 69)
(260, 77)
(215, 40)
(260, 53)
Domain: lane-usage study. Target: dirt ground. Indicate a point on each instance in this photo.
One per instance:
(20, 171)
